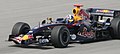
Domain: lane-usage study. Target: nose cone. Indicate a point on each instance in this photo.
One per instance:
(25, 37)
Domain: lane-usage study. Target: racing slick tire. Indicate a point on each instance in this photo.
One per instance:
(20, 28)
(60, 36)
(115, 24)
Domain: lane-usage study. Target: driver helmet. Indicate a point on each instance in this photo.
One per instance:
(70, 18)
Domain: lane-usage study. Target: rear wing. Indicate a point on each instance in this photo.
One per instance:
(104, 12)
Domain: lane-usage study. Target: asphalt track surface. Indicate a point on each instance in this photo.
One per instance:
(33, 11)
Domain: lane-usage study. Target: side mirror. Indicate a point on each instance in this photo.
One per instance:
(44, 21)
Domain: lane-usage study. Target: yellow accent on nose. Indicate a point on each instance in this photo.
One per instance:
(25, 37)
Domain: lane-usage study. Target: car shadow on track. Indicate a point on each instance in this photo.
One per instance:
(94, 41)
(38, 47)
(32, 47)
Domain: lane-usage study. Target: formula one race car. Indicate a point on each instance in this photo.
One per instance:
(103, 23)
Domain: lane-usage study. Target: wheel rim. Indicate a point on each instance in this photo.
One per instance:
(64, 37)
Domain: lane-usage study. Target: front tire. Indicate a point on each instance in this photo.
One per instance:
(20, 28)
(60, 37)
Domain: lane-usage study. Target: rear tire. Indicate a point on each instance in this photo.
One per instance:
(115, 24)
(60, 37)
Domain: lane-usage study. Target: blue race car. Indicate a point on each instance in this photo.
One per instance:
(103, 23)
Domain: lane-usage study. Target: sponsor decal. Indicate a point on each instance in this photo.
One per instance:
(105, 11)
